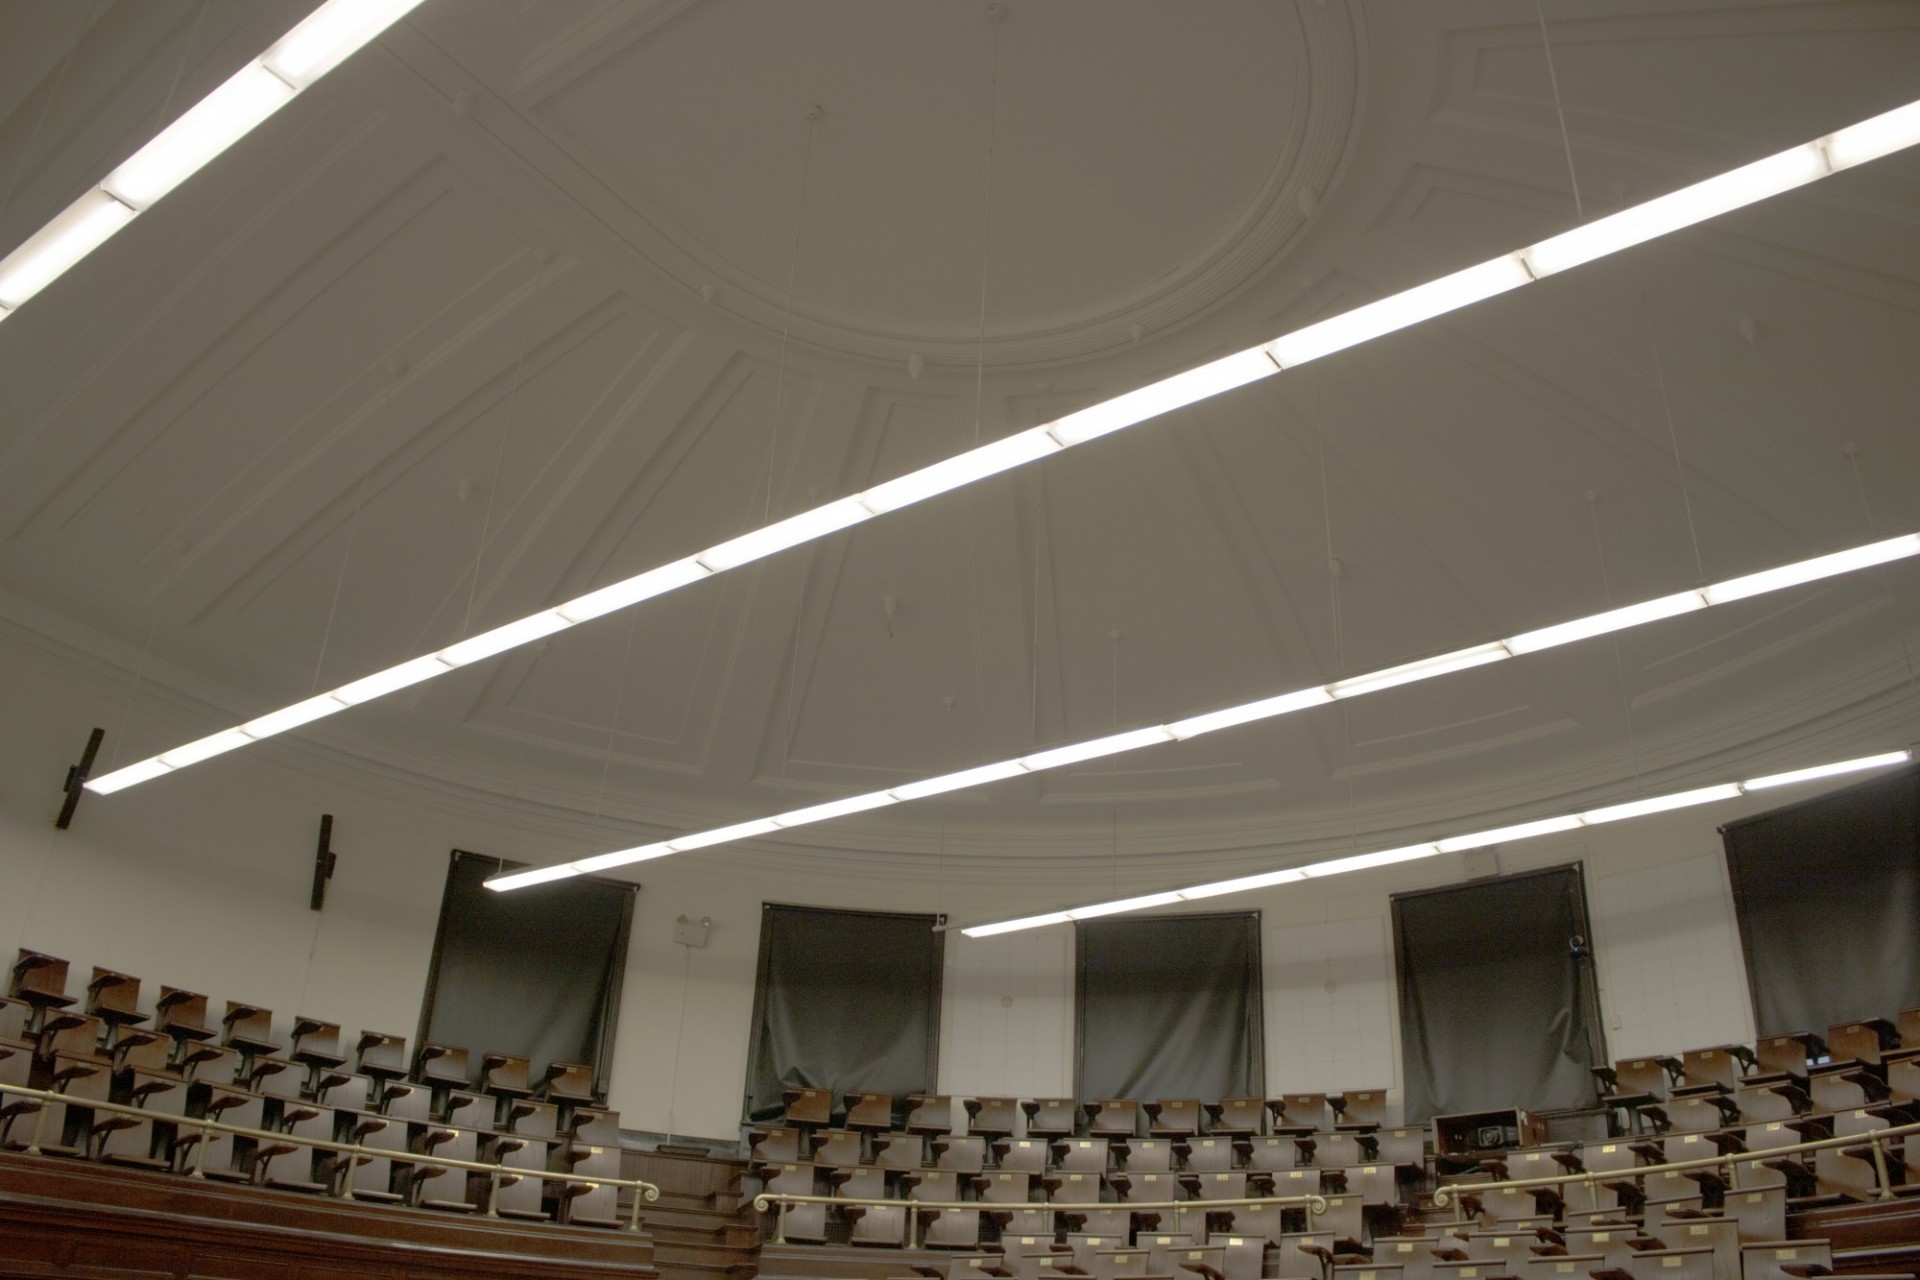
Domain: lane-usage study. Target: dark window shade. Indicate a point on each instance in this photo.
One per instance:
(1827, 893)
(847, 1001)
(1497, 1003)
(1169, 1007)
(535, 973)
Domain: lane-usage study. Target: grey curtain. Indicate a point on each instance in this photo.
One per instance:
(1828, 897)
(535, 972)
(1169, 1007)
(847, 1001)
(1497, 995)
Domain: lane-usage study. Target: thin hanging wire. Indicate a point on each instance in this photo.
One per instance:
(1619, 658)
(613, 724)
(1673, 438)
(986, 219)
(1333, 588)
(786, 320)
(180, 68)
(340, 579)
(1566, 140)
(506, 432)
(1113, 764)
(1033, 649)
(53, 91)
(1886, 583)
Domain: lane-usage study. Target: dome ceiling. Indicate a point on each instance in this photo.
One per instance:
(527, 298)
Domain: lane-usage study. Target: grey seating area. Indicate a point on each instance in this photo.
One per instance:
(1402, 1202)
(184, 1059)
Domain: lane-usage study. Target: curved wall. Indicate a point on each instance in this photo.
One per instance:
(203, 883)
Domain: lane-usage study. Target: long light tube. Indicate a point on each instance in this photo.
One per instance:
(322, 41)
(1433, 848)
(1867, 140)
(1612, 620)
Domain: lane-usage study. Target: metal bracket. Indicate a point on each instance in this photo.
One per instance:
(77, 778)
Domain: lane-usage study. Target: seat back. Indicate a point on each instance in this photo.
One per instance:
(1209, 1154)
(929, 1113)
(869, 1111)
(1046, 1117)
(1359, 1108)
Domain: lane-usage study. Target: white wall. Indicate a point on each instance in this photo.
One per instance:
(201, 880)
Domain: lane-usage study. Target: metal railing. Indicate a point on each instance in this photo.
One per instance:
(643, 1191)
(1876, 1139)
(776, 1201)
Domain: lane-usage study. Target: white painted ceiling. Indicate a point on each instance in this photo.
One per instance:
(532, 296)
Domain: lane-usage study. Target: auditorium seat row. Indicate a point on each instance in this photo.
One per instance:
(1611, 1215)
(176, 1068)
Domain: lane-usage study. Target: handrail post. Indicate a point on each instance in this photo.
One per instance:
(39, 1120)
(634, 1223)
(493, 1193)
(779, 1221)
(1880, 1168)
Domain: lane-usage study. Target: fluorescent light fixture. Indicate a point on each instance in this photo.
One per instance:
(1679, 209)
(1660, 804)
(1600, 624)
(1077, 752)
(212, 745)
(1425, 669)
(835, 809)
(622, 858)
(1870, 139)
(1247, 712)
(329, 36)
(75, 232)
(1410, 853)
(791, 532)
(207, 128)
(956, 781)
(501, 639)
(120, 779)
(1245, 884)
(292, 717)
(642, 586)
(1368, 861)
(1142, 903)
(1150, 401)
(1792, 575)
(1826, 770)
(722, 835)
(393, 679)
(96, 215)
(534, 875)
(1010, 926)
(962, 469)
(1398, 311)
(1502, 835)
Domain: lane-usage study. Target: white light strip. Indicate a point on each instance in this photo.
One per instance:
(1267, 708)
(323, 40)
(1867, 140)
(1451, 844)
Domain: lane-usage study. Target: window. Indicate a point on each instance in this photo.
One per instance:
(1169, 1007)
(1828, 897)
(1498, 1003)
(534, 973)
(847, 1001)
